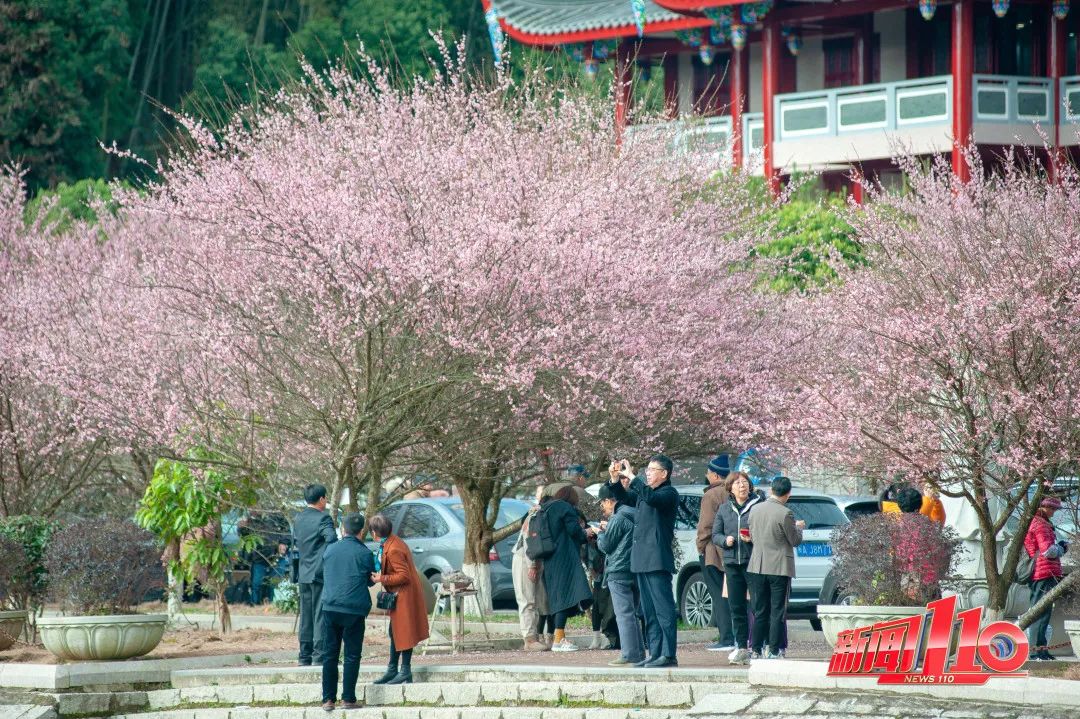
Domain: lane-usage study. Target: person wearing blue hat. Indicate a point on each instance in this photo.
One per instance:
(709, 558)
(577, 474)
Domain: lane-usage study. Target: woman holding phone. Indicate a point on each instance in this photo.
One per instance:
(731, 533)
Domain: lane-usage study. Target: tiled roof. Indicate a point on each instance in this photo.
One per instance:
(554, 17)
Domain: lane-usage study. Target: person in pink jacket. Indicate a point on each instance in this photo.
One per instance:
(1043, 546)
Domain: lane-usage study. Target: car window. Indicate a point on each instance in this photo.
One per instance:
(817, 513)
(439, 527)
(416, 522)
(687, 515)
(510, 510)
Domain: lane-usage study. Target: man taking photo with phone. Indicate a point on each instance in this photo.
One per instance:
(652, 559)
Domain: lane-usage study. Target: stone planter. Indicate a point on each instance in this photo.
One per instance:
(1072, 630)
(835, 618)
(102, 638)
(11, 627)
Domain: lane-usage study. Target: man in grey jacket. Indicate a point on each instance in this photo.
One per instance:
(775, 534)
(615, 539)
(313, 530)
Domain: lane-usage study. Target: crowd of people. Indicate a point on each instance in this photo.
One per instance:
(620, 570)
(748, 559)
(336, 578)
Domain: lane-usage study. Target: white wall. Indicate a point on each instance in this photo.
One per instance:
(810, 62)
(890, 26)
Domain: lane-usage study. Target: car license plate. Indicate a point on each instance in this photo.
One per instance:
(814, 549)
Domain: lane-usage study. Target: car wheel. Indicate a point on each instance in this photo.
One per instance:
(843, 598)
(696, 602)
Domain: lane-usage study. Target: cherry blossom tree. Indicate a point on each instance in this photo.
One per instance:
(951, 357)
(354, 276)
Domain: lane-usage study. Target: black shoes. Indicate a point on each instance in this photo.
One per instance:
(388, 678)
(660, 662)
(403, 677)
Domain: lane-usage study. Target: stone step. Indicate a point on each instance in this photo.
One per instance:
(248, 676)
(316, 712)
(444, 694)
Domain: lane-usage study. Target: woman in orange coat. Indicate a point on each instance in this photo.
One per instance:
(408, 619)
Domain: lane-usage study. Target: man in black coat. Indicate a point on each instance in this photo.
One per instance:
(346, 602)
(652, 559)
(312, 530)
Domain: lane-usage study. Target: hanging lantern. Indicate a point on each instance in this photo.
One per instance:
(1060, 9)
(738, 36)
(705, 52)
(637, 7)
(1001, 7)
(491, 16)
(794, 42)
(927, 8)
(592, 67)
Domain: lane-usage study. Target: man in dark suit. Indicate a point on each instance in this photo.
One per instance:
(652, 559)
(774, 534)
(313, 530)
(346, 602)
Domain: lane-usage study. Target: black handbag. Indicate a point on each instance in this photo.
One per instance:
(387, 601)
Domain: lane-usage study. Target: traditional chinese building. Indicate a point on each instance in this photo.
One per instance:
(831, 85)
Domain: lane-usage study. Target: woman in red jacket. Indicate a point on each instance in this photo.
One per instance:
(408, 619)
(1041, 544)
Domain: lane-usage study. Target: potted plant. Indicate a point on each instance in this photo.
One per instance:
(14, 568)
(100, 569)
(887, 566)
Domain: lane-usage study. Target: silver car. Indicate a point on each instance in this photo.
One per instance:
(434, 529)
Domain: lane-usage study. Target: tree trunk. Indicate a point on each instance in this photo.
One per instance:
(374, 486)
(223, 616)
(477, 545)
(175, 596)
(1070, 582)
(480, 605)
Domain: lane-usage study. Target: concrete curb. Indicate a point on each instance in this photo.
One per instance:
(1026, 691)
(135, 671)
(184, 678)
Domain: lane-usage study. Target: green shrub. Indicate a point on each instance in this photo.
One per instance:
(33, 535)
(807, 236)
(103, 566)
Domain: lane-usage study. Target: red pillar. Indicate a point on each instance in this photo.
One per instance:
(623, 86)
(1055, 66)
(864, 59)
(856, 186)
(963, 60)
(770, 83)
(740, 81)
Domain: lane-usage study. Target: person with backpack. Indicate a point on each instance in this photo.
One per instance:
(528, 591)
(556, 539)
(615, 538)
(1042, 545)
